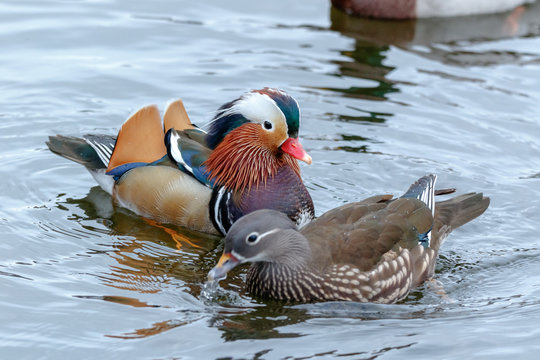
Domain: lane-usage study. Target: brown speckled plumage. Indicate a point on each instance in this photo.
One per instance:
(367, 251)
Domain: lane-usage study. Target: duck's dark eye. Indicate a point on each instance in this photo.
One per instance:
(252, 238)
(267, 125)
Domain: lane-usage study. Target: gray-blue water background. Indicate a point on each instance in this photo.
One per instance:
(383, 103)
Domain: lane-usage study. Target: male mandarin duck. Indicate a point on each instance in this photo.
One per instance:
(410, 9)
(177, 173)
(375, 250)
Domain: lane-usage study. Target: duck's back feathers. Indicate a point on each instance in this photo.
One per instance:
(187, 148)
(368, 233)
(361, 234)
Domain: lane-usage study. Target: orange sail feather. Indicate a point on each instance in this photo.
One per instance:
(140, 139)
(176, 117)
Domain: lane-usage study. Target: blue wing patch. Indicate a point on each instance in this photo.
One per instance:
(118, 171)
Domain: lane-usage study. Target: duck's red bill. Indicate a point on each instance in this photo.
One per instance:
(293, 147)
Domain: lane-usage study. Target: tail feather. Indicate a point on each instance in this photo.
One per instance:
(460, 210)
(75, 149)
(453, 213)
(103, 145)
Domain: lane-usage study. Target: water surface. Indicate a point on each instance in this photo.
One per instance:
(383, 103)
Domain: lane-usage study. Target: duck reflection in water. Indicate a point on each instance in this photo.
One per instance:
(146, 249)
(411, 34)
(150, 258)
(374, 38)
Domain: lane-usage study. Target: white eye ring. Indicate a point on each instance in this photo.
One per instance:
(267, 125)
(253, 238)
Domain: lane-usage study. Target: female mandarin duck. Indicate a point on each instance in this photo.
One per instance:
(177, 173)
(375, 250)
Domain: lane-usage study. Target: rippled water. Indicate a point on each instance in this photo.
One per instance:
(382, 103)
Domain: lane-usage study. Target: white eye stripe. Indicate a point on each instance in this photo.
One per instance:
(268, 232)
(259, 236)
(281, 114)
(258, 107)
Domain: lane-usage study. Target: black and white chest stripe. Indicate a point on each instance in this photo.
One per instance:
(219, 209)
